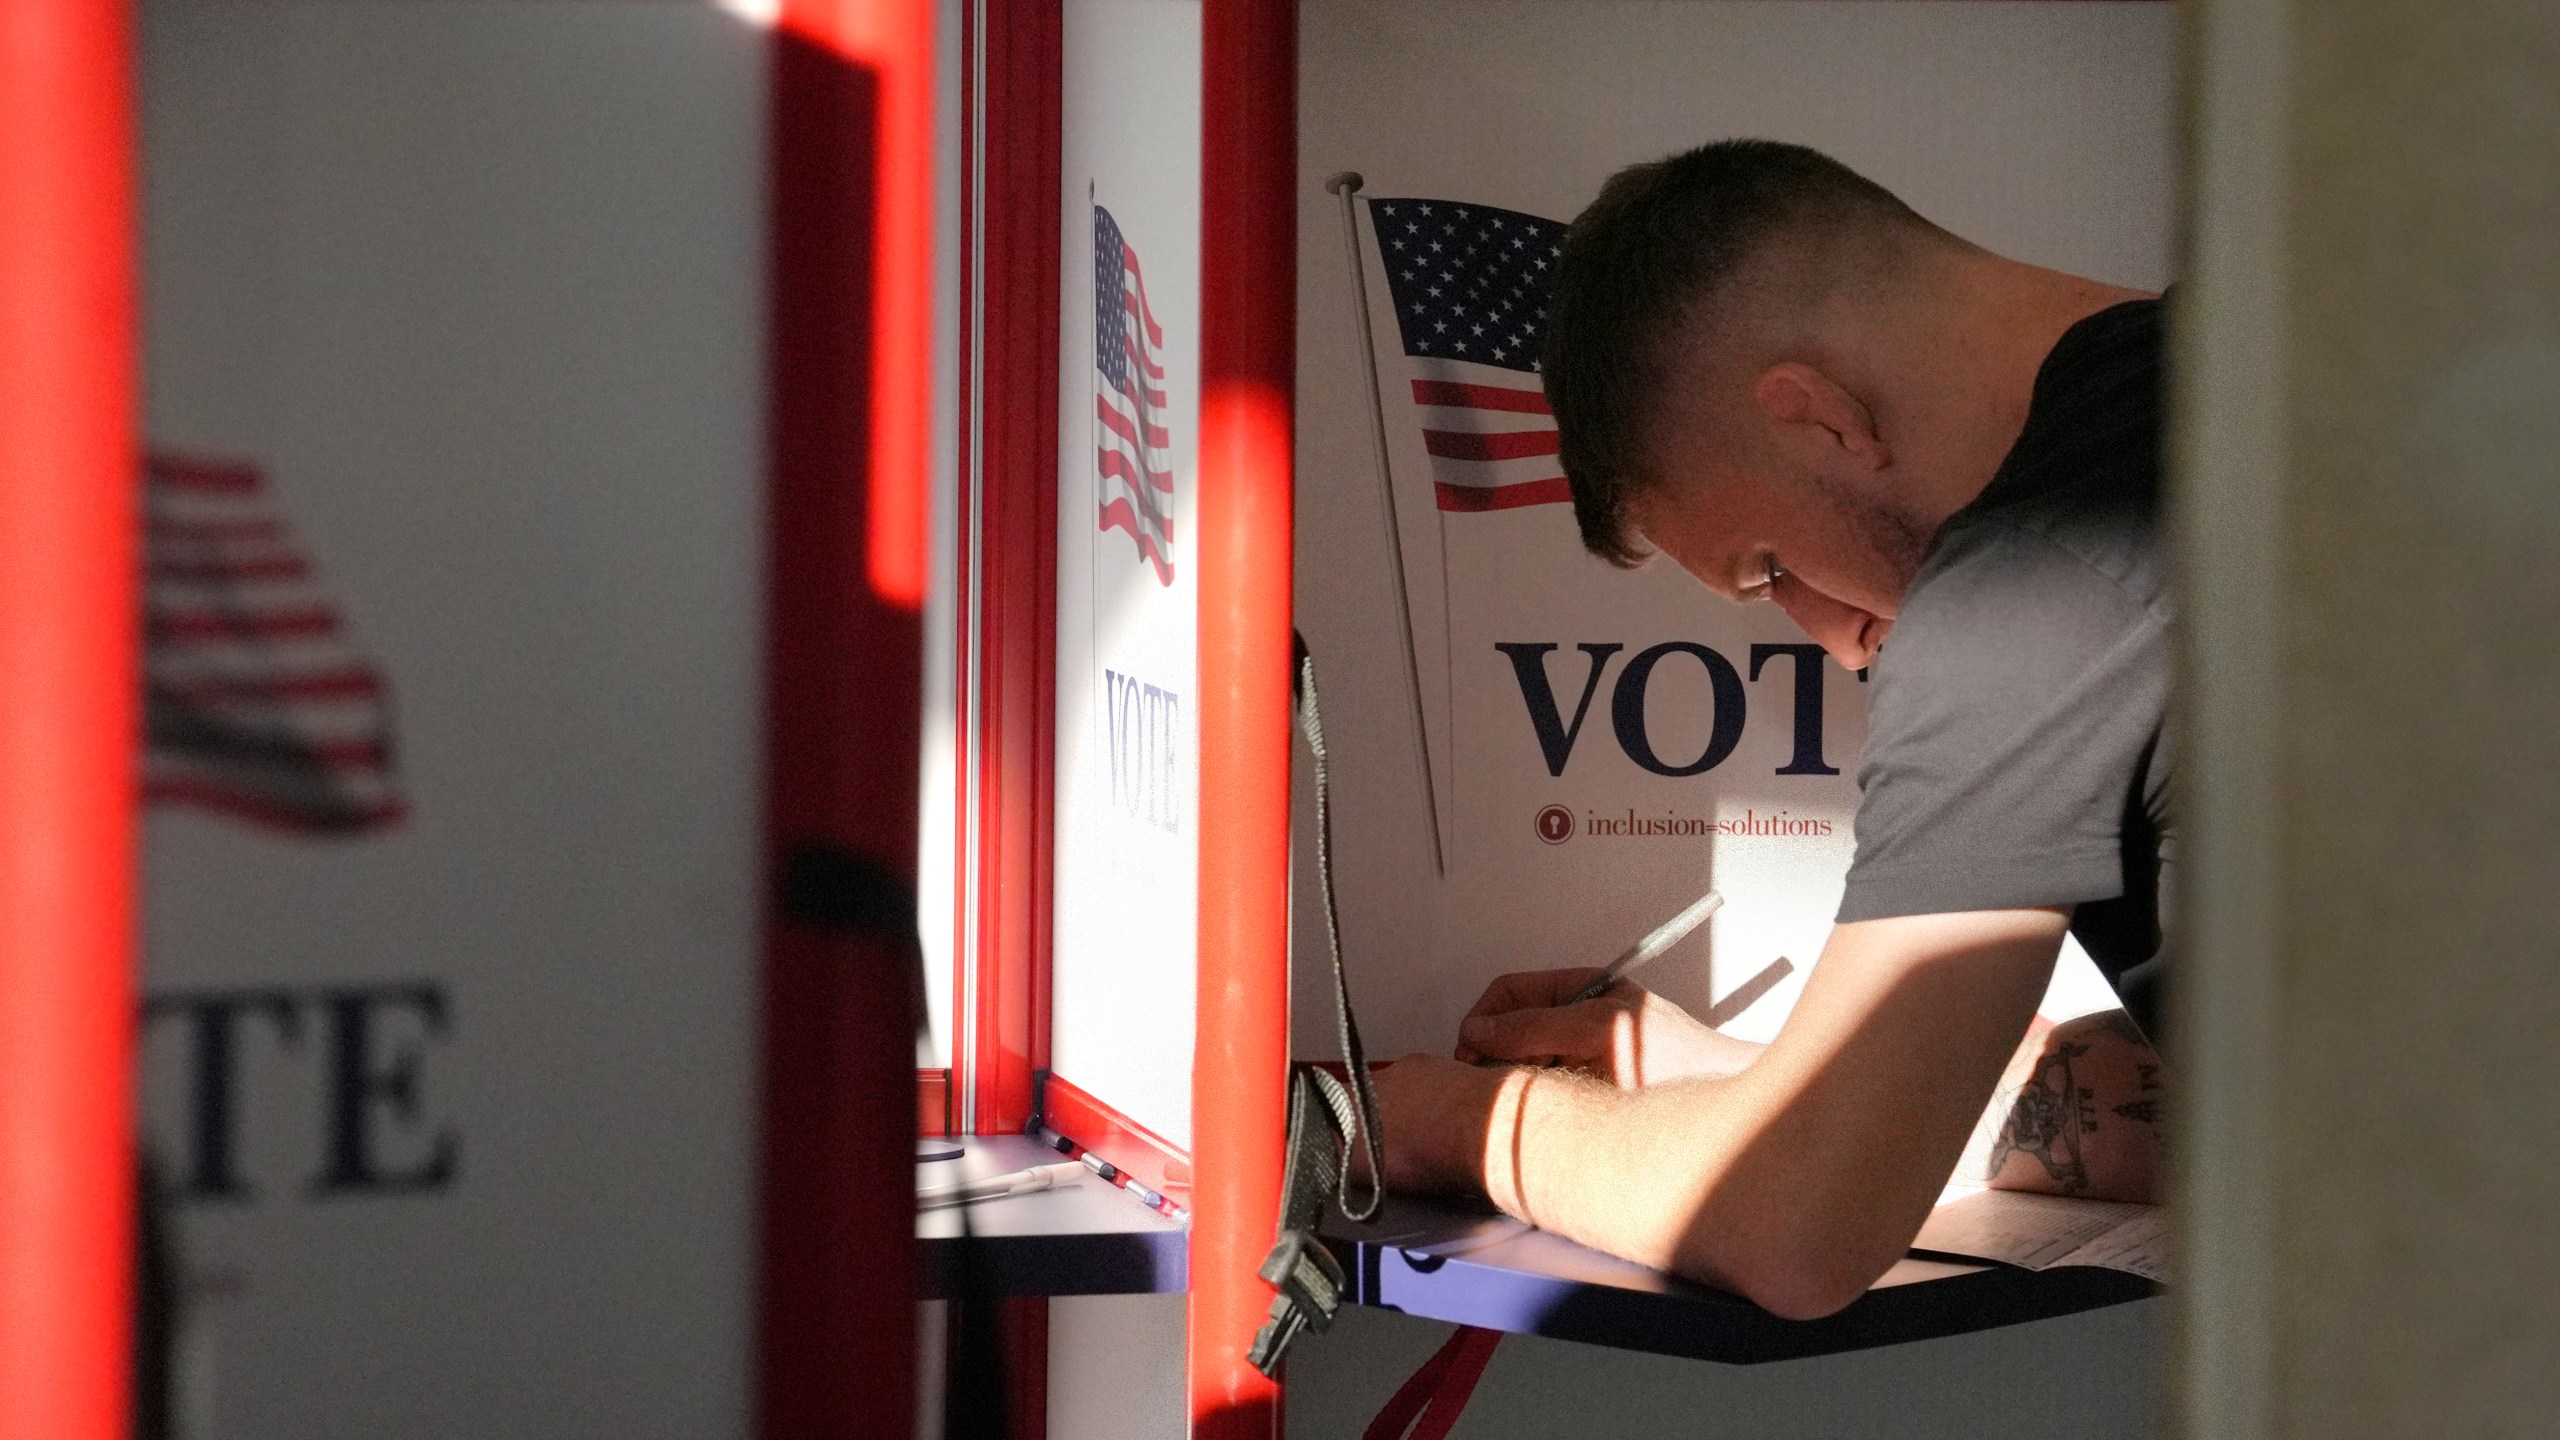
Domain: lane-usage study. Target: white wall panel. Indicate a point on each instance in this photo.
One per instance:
(480, 286)
(1128, 716)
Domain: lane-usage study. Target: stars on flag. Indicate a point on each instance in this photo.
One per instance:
(1469, 286)
(1483, 296)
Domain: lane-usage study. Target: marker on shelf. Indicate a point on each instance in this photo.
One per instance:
(1108, 1171)
(996, 1187)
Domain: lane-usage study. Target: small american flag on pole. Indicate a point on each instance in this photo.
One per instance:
(256, 702)
(1470, 285)
(1131, 446)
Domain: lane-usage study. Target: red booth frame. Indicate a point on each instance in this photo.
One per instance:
(1006, 661)
(1007, 657)
(852, 109)
(69, 719)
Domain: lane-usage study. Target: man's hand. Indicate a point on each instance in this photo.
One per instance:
(1444, 1121)
(1795, 1182)
(1628, 1036)
(1436, 1115)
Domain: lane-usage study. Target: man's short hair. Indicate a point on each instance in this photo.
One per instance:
(1663, 241)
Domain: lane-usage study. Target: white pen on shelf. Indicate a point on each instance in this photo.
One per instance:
(996, 1187)
(1669, 933)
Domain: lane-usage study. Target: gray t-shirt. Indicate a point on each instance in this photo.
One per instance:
(2018, 749)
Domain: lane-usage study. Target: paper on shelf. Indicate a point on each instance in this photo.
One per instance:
(2039, 1232)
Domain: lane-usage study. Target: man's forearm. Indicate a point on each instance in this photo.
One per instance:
(1801, 1179)
(2080, 1111)
(1701, 1177)
(1619, 1170)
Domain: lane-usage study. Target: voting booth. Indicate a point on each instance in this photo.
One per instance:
(631, 628)
(528, 517)
(686, 490)
(1253, 299)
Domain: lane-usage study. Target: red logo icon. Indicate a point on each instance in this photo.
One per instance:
(1555, 824)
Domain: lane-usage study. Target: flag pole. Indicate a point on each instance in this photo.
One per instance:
(1347, 185)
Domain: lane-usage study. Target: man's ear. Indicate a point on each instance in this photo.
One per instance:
(1813, 415)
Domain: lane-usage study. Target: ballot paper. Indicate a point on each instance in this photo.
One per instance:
(2039, 1232)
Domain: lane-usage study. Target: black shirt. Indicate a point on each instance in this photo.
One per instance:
(2018, 749)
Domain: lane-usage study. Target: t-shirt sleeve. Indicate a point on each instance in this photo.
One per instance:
(2016, 703)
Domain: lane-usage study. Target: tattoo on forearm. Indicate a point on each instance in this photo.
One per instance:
(2047, 1115)
(2145, 1108)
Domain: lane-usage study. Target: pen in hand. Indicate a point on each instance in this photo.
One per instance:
(1669, 933)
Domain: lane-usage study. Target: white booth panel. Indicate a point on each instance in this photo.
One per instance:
(479, 290)
(1128, 445)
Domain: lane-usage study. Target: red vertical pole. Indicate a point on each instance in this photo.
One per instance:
(891, 45)
(1008, 568)
(853, 135)
(1248, 368)
(67, 720)
(1011, 678)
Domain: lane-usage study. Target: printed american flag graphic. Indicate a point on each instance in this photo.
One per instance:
(257, 703)
(1470, 285)
(1131, 445)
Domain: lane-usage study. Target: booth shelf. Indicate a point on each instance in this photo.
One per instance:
(1088, 1237)
(1488, 1270)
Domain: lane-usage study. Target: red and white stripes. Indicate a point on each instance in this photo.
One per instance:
(257, 702)
(1491, 439)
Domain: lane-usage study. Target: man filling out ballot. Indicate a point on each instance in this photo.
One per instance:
(1771, 372)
